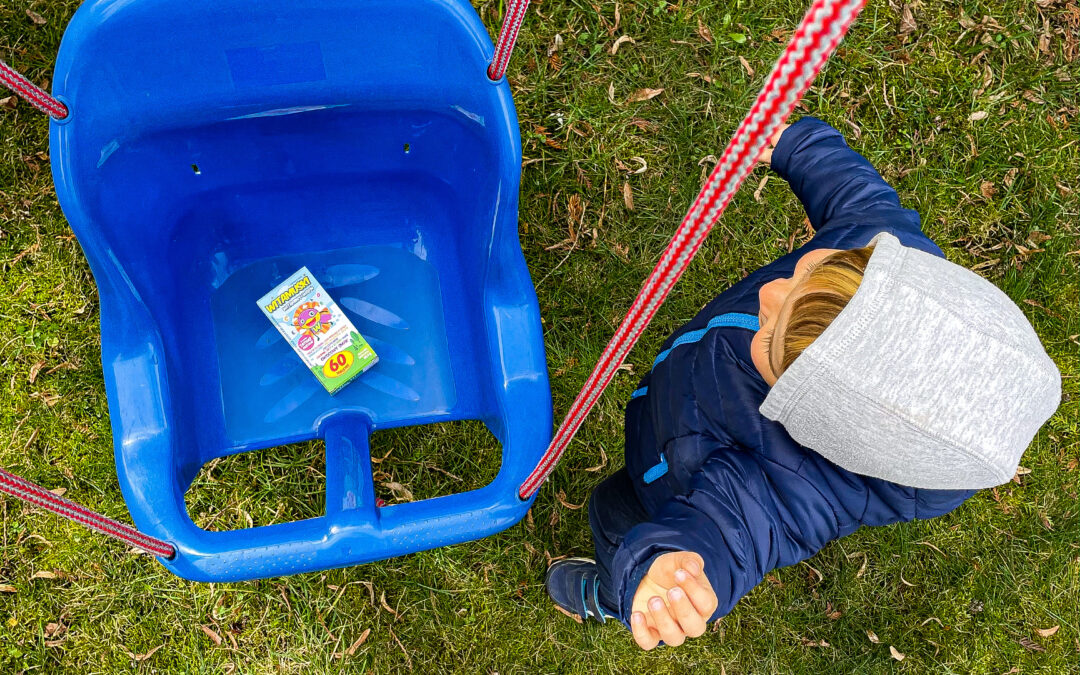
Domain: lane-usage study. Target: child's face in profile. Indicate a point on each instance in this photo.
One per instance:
(774, 306)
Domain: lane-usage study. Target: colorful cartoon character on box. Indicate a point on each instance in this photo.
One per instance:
(312, 318)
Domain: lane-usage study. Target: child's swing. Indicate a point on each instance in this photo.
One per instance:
(216, 146)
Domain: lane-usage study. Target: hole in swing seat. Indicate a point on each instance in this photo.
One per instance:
(432, 460)
(195, 168)
(260, 487)
(406, 148)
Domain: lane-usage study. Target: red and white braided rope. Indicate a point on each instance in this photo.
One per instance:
(821, 30)
(23, 489)
(504, 45)
(34, 95)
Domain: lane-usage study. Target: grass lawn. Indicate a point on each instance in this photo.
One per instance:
(968, 108)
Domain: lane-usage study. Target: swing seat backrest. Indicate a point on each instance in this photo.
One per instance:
(215, 147)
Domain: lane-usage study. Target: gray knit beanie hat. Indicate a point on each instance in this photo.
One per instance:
(930, 377)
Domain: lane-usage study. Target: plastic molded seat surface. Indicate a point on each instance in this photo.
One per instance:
(214, 148)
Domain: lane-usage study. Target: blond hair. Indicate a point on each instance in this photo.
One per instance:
(827, 289)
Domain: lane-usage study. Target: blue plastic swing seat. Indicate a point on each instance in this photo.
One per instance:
(217, 146)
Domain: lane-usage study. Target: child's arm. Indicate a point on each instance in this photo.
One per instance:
(745, 516)
(834, 183)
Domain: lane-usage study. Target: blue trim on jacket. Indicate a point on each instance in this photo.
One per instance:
(729, 320)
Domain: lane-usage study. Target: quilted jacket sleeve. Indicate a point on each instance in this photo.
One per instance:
(746, 515)
(835, 184)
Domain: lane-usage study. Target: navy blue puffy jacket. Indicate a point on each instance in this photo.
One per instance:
(715, 476)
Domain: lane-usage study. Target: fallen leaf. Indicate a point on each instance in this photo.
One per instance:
(760, 187)
(359, 641)
(386, 605)
(1047, 632)
(54, 629)
(872, 636)
(644, 95)
(704, 31)
(862, 568)
(48, 399)
(746, 66)
(59, 492)
(214, 637)
(548, 140)
(371, 591)
(814, 572)
(556, 44)
(987, 189)
(907, 20)
(35, 17)
(929, 545)
(737, 38)
(575, 211)
(1026, 252)
(575, 617)
(399, 490)
(611, 92)
(601, 465)
(703, 76)
(408, 659)
(139, 658)
(43, 574)
(628, 196)
(780, 34)
(832, 614)
(9, 102)
(622, 39)
(1046, 522)
(7, 588)
(1028, 643)
(561, 496)
(814, 643)
(895, 653)
(977, 115)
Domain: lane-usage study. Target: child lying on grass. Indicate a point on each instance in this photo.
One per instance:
(861, 380)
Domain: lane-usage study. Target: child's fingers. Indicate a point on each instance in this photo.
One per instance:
(669, 631)
(645, 637)
(692, 563)
(694, 568)
(690, 620)
(698, 590)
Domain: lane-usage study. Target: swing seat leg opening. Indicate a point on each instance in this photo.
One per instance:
(197, 178)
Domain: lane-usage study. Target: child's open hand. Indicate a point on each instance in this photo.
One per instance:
(673, 601)
(766, 154)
